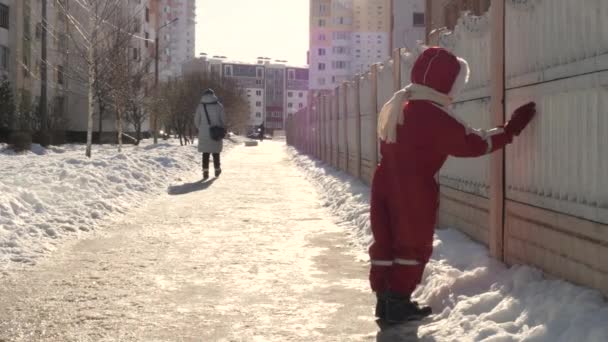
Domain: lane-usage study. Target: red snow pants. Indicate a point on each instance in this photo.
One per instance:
(402, 214)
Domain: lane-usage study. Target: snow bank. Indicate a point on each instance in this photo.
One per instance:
(475, 298)
(50, 194)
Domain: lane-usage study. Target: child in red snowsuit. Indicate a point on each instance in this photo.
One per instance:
(416, 139)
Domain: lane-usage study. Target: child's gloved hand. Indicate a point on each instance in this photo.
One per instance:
(520, 119)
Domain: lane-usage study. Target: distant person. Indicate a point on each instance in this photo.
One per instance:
(261, 130)
(210, 121)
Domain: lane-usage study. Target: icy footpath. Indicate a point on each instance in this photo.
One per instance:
(50, 194)
(475, 298)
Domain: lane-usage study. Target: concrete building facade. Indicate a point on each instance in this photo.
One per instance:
(348, 36)
(251, 78)
(274, 90)
(372, 33)
(409, 23)
(177, 39)
(296, 90)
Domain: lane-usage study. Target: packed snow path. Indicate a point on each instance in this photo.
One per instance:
(252, 256)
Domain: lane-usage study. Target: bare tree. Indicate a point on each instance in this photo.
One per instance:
(94, 27)
(137, 113)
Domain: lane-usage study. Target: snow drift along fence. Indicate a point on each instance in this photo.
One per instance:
(548, 206)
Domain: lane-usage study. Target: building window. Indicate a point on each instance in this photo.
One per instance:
(147, 36)
(339, 64)
(137, 26)
(59, 105)
(340, 50)
(258, 92)
(4, 16)
(418, 19)
(300, 105)
(258, 115)
(300, 94)
(291, 75)
(290, 105)
(62, 42)
(227, 70)
(258, 82)
(147, 15)
(322, 52)
(260, 73)
(258, 103)
(4, 57)
(321, 80)
(341, 35)
(60, 74)
(289, 94)
(321, 66)
(322, 37)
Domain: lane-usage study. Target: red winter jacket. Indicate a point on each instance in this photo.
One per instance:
(430, 133)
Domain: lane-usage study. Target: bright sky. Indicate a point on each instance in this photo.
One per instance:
(246, 29)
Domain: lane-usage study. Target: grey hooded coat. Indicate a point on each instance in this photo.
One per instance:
(216, 117)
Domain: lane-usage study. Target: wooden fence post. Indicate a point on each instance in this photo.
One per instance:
(396, 70)
(344, 87)
(317, 128)
(374, 131)
(357, 118)
(497, 160)
(337, 127)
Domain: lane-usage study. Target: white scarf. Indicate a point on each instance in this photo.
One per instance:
(391, 114)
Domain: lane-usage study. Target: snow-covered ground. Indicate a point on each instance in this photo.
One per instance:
(51, 194)
(475, 298)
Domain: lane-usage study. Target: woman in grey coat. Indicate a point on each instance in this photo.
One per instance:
(206, 144)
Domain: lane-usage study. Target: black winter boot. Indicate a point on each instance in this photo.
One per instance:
(399, 308)
(380, 311)
(218, 172)
(205, 175)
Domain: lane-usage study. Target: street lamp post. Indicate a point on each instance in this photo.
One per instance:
(156, 58)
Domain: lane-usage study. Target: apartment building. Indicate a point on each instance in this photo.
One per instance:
(346, 37)
(274, 89)
(296, 90)
(251, 78)
(409, 23)
(178, 38)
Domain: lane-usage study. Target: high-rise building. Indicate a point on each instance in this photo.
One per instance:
(346, 37)
(177, 39)
(409, 23)
(372, 33)
(21, 45)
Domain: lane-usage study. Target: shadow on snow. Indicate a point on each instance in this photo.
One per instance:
(187, 188)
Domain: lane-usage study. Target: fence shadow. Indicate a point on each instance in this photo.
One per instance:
(187, 188)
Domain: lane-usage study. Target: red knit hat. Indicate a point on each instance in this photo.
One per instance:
(439, 69)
